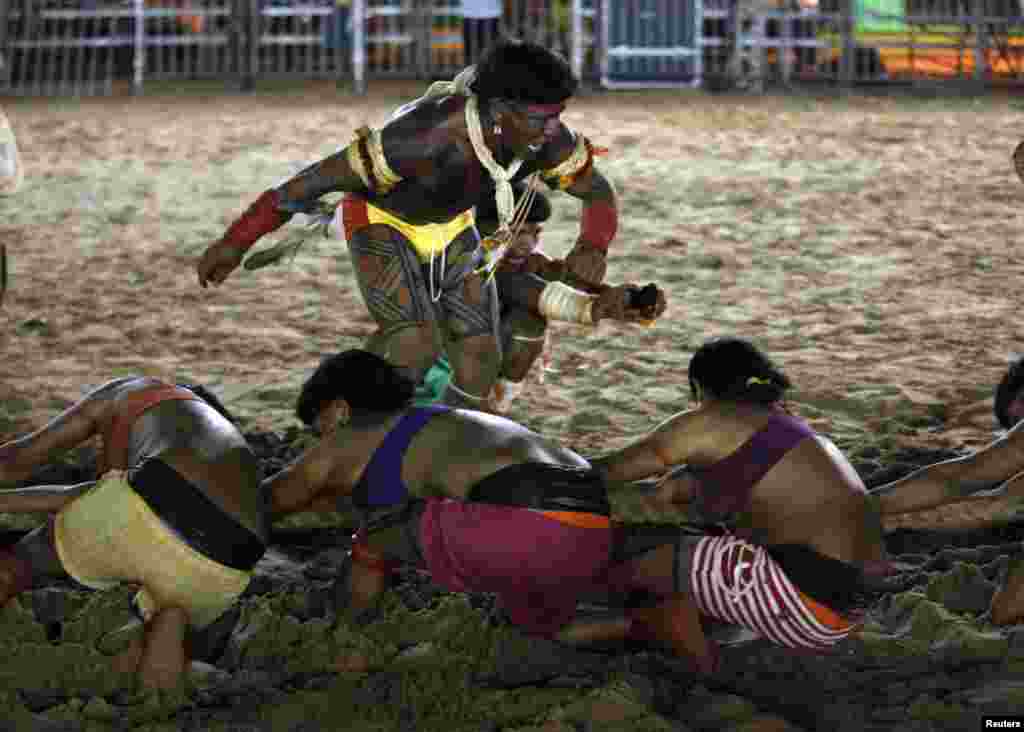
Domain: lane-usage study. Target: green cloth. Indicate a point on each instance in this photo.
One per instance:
(435, 383)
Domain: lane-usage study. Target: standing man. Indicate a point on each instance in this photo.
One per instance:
(408, 220)
(481, 21)
(11, 177)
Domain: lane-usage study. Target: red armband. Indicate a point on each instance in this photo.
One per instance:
(598, 224)
(262, 217)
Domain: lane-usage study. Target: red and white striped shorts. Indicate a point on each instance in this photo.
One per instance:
(738, 582)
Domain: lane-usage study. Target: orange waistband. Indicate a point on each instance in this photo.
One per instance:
(580, 520)
(824, 614)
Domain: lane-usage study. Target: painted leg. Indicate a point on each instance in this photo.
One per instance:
(413, 347)
(1008, 603)
(163, 659)
(523, 343)
(392, 282)
(475, 363)
(523, 340)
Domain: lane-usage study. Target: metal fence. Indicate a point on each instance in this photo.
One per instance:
(651, 43)
(68, 47)
(869, 41)
(91, 46)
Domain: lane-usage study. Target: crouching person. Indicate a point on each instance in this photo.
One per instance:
(177, 510)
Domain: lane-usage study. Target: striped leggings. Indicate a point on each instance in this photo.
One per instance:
(737, 582)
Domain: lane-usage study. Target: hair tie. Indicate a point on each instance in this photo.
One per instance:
(757, 380)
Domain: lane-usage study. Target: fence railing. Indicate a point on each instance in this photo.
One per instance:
(85, 46)
(74, 47)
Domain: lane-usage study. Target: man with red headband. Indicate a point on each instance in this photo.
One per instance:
(411, 186)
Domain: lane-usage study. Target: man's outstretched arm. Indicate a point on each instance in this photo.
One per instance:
(41, 498)
(664, 448)
(961, 479)
(361, 167)
(20, 457)
(299, 485)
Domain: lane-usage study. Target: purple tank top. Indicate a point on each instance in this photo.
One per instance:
(725, 487)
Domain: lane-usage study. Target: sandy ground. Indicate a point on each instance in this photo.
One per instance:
(866, 243)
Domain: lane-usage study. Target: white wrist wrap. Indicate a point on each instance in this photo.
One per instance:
(558, 301)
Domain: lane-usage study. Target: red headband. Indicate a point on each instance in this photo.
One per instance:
(551, 109)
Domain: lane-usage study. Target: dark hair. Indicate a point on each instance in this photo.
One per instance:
(523, 71)
(1007, 390)
(363, 379)
(210, 398)
(487, 209)
(734, 369)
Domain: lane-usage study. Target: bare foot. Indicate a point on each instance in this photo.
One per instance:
(1008, 603)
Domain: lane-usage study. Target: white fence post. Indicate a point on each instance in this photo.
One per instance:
(359, 45)
(139, 56)
(577, 38)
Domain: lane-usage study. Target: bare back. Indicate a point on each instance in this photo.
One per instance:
(201, 445)
(447, 457)
(811, 496)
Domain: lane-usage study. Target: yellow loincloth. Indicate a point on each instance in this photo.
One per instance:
(109, 535)
(427, 239)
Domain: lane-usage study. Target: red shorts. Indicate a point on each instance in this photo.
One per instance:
(539, 563)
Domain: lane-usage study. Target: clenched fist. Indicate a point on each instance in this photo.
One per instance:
(218, 261)
(629, 304)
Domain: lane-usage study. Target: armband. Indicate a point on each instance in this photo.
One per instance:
(578, 164)
(598, 224)
(366, 158)
(262, 217)
(558, 301)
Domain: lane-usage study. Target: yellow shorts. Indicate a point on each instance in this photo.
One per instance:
(109, 536)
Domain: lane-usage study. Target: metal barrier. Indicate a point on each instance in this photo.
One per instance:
(59, 47)
(652, 43)
(186, 39)
(74, 47)
(64, 47)
(869, 41)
